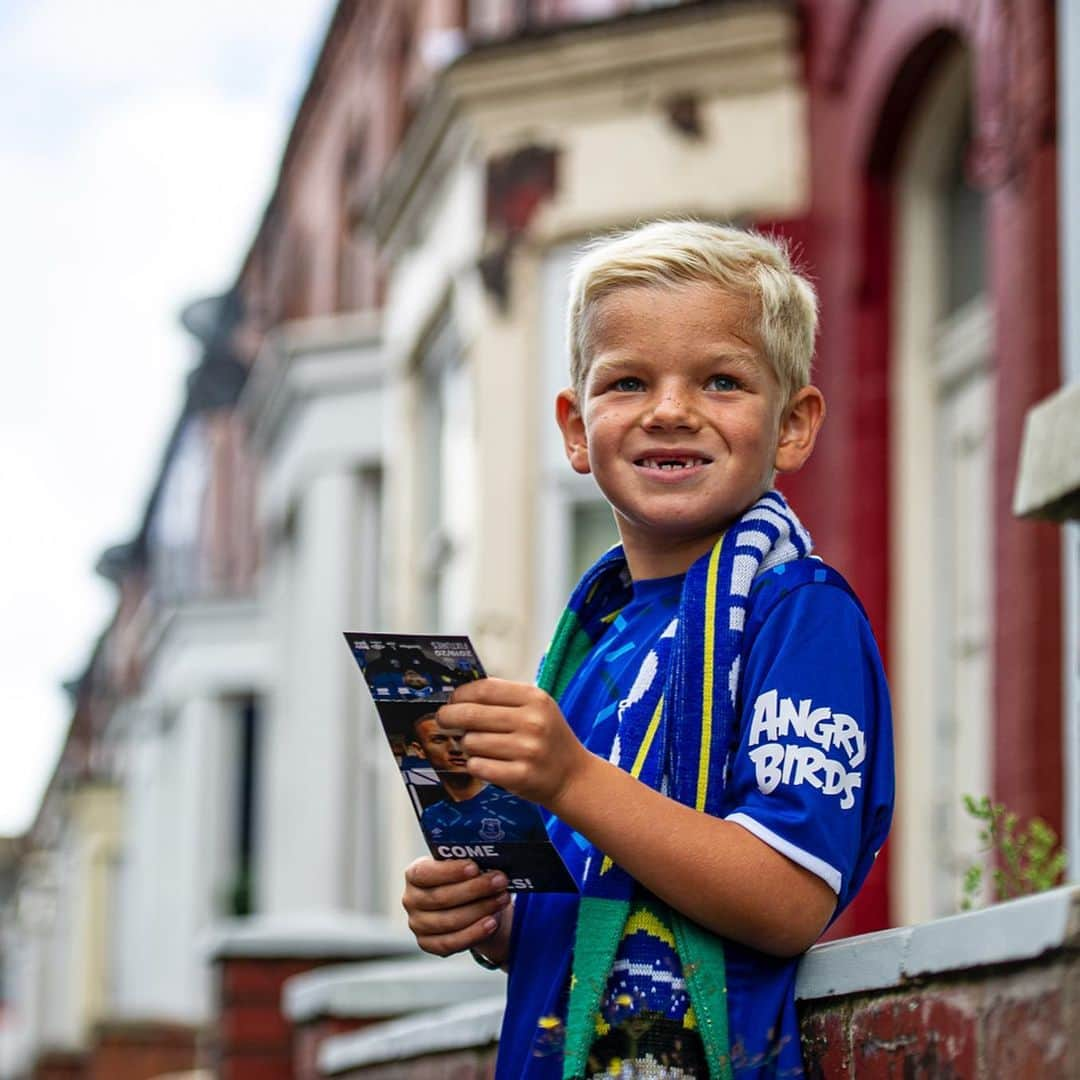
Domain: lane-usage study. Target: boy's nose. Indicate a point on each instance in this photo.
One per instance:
(671, 408)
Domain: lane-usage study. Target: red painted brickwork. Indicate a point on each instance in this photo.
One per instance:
(1018, 1023)
(141, 1050)
(252, 1039)
(307, 1038)
(463, 1065)
(59, 1065)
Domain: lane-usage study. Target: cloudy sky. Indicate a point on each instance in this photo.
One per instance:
(138, 144)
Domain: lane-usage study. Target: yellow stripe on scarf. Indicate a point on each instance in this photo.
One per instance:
(707, 676)
(639, 761)
(643, 919)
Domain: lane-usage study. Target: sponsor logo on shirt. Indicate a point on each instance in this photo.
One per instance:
(796, 743)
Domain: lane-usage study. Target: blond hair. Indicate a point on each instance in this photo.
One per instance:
(666, 253)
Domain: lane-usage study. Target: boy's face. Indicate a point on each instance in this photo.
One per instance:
(681, 421)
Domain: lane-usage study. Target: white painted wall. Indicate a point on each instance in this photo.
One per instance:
(330, 808)
(175, 869)
(309, 756)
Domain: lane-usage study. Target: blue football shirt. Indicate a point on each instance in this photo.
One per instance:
(811, 776)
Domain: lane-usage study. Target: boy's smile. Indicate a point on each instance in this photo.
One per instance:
(682, 421)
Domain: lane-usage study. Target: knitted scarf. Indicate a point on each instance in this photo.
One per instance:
(676, 730)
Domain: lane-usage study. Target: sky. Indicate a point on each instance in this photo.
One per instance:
(138, 145)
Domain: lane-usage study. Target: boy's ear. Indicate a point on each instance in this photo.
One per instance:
(799, 426)
(572, 425)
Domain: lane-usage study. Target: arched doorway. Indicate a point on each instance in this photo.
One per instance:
(941, 452)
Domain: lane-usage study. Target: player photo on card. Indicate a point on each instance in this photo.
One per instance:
(406, 667)
(461, 816)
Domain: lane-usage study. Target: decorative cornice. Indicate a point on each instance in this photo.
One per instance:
(558, 77)
(308, 358)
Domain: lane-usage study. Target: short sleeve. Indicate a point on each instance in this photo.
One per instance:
(812, 771)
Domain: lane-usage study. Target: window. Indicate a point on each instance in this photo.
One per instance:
(575, 523)
(176, 525)
(444, 478)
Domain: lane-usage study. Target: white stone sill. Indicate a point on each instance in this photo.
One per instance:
(390, 988)
(460, 1027)
(1008, 933)
(317, 934)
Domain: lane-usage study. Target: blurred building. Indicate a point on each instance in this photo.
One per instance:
(367, 443)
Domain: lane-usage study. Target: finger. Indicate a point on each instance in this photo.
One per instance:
(459, 941)
(456, 894)
(427, 873)
(512, 776)
(499, 747)
(469, 716)
(453, 920)
(495, 692)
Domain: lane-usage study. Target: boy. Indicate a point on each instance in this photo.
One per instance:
(726, 800)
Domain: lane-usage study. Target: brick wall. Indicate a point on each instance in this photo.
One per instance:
(1002, 1024)
(59, 1065)
(478, 1064)
(310, 1035)
(140, 1050)
(251, 1039)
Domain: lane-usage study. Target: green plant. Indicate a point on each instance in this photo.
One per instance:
(1027, 860)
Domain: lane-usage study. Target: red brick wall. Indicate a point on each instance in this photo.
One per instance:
(461, 1065)
(140, 1050)
(307, 1038)
(1007, 1024)
(59, 1065)
(252, 1039)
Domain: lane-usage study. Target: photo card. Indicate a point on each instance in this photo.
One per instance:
(461, 816)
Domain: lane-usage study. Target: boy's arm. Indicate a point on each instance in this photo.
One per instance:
(713, 871)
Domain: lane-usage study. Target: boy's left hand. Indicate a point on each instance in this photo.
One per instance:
(516, 737)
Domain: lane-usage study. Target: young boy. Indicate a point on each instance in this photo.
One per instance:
(711, 730)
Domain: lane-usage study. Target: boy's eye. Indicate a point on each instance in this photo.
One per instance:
(628, 384)
(722, 382)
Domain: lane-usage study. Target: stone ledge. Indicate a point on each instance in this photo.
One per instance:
(1006, 933)
(364, 991)
(474, 1024)
(1048, 477)
(315, 934)
(1014, 933)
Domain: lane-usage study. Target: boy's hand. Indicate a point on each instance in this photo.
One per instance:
(516, 737)
(453, 907)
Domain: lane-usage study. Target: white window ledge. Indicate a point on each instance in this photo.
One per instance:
(417, 984)
(328, 935)
(1048, 477)
(472, 1025)
(1014, 932)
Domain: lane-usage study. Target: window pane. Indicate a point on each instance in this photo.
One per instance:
(593, 531)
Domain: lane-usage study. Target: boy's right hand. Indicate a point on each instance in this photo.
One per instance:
(452, 906)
